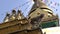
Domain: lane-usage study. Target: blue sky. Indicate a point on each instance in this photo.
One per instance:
(55, 6)
(8, 5)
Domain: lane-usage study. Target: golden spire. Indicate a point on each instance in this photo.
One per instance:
(38, 4)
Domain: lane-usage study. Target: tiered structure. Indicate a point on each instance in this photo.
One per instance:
(39, 17)
(41, 8)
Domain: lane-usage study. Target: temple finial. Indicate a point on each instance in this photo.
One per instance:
(19, 15)
(13, 16)
(6, 19)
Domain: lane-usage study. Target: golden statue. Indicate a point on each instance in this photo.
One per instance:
(19, 15)
(13, 16)
(6, 19)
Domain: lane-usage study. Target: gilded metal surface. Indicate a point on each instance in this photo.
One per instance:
(23, 25)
